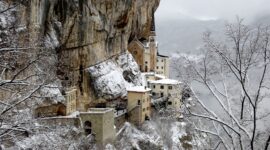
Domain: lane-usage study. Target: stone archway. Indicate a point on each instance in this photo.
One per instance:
(88, 127)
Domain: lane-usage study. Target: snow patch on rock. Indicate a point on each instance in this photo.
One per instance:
(51, 38)
(111, 78)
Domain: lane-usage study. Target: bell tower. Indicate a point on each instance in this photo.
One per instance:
(153, 45)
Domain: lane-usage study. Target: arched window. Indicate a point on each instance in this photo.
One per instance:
(146, 69)
(146, 117)
(87, 127)
(139, 102)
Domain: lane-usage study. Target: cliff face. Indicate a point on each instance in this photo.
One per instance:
(86, 32)
(94, 29)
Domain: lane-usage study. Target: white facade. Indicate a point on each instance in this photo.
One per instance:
(167, 88)
(162, 65)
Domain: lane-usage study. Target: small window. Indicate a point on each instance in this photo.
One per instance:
(143, 101)
(154, 86)
(162, 67)
(146, 62)
(144, 109)
(157, 60)
(169, 103)
(157, 67)
(153, 93)
(161, 94)
(170, 87)
(161, 87)
(139, 102)
(162, 60)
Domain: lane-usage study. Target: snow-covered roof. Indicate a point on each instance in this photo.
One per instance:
(148, 73)
(140, 89)
(97, 111)
(153, 74)
(160, 76)
(159, 55)
(165, 81)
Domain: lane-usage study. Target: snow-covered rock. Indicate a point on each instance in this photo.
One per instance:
(52, 95)
(52, 36)
(132, 138)
(111, 78)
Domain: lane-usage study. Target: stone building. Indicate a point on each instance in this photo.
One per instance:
(136, 48)
(53, 110)
(144, 52)
(100, 123)
(71, 100)
(162, 66)
(168, 89)
(139, 108)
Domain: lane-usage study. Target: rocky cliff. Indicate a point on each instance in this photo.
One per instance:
(85, 33)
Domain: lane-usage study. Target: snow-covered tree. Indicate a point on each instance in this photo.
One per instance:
(230, 84)
(26, 71)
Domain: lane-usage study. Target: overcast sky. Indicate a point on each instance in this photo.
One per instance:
(212, 9)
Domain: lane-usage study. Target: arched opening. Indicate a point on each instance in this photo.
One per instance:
(146, 69)
(126, 76)
(61, 111)
(87, 127)
(146, 117)
(139, 102)
(38, 114)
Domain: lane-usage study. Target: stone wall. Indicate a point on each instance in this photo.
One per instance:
(135, 115)
(60, 121)
(137, 50)
(50, 111)
(102, 124)
(120, 120)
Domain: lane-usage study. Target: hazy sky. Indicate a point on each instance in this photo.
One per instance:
(212, 9)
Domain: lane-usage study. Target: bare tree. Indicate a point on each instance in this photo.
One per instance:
(26, 69)
(234, 75)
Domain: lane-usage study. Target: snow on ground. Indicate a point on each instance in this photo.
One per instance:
(70, 138)
(178, 130)
(156, 135)
(130, 137)
(111, 78)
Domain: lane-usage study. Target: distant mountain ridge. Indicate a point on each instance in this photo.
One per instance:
(184, 34)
